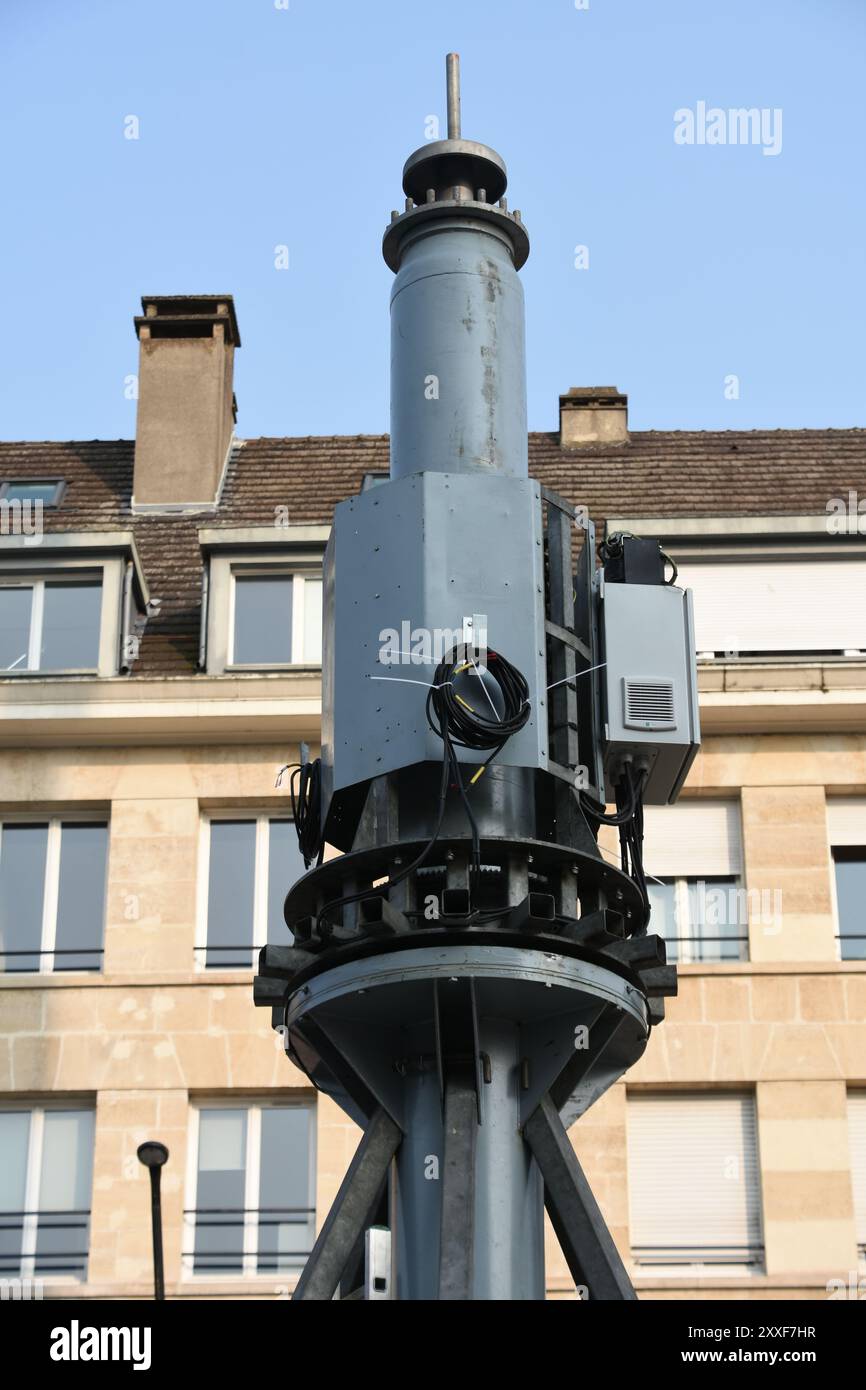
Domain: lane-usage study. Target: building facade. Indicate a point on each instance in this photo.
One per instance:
(160, 663)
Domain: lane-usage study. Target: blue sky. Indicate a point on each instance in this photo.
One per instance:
(261, 127)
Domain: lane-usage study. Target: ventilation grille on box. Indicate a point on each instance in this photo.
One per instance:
(649, 704)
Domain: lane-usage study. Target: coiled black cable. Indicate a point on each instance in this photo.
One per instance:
(477, 725)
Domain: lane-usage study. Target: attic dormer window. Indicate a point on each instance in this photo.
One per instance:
(48, 491)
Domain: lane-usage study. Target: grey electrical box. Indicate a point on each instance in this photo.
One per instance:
(650, 685)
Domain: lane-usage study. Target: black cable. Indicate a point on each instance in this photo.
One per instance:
(305, 787)
(404, 873)
(460, 725)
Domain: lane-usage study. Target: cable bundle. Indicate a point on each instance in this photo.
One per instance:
(461, 724)
(628, 818)
(631, 835)
(306, 792)
(480, 726)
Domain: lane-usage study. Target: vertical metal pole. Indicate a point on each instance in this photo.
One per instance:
(452, 78)
(156, 1221)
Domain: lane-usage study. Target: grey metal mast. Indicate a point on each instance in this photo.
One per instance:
(469, 974)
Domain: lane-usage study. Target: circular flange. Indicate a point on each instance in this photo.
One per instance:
(380, 1016)
(504, 963)
(446, 162)
(481, 215)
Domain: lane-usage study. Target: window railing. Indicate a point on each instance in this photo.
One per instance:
(21, 955)
(248, 951)
(248, 1240)
(44, 1242)
(751, 1256)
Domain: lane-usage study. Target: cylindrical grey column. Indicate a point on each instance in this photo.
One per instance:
(458, 370)
(509, 1194)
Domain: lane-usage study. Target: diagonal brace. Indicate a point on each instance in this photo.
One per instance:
(457, 1235)
(587, 1244)
(352, 1210)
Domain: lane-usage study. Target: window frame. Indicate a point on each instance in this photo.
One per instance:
(109, 570)
(298, 575)
(686, 945)
(262, 819)
(268, 550)
(59, 485)
(856, 853)
(37, 1110)
(37, 583)
(51, 889)
(253, 1105)
(655, 1269)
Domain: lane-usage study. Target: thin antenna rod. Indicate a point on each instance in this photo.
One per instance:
(452, 77)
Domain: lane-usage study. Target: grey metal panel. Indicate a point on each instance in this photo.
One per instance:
(648, 638)
(428, 550)
(458, 373)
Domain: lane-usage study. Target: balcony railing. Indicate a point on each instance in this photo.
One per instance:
(254, 1240)
(44, 1242)
(246, 953)
(91, 955)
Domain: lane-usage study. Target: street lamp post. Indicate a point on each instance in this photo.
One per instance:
(153, 1155)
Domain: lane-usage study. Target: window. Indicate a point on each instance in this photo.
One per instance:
(857, 1138)
(693, 860)
(276, 618)
(248, 865)
(701, 919)
(46, 1158)
(52, 894)
(252, 1185)
(785, 607)
(261, 597)
(850, 874)
(694, 1186)
(50, 624)
(846, 824)
(48, 492)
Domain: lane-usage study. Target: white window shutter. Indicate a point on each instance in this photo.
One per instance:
(846, 820)
(780, 605)
(694, 1187)
(857, 1137)
(694, 839)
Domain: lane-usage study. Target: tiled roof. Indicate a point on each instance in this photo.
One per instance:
(658, 473)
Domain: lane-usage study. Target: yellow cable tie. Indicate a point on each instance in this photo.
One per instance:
(465, 667)
(476, 775)
(464, 704)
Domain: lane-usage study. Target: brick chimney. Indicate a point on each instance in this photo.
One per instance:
(186, 406)
(592, 415)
